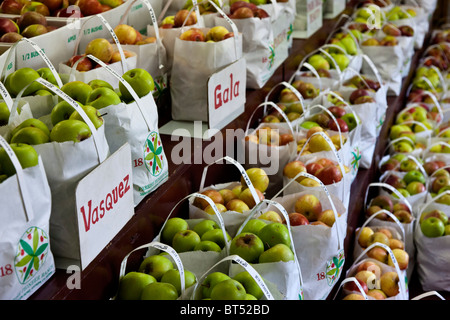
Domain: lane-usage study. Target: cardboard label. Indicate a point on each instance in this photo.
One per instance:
(104, 202)
(226, 94)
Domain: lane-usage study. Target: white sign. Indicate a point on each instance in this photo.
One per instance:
(226, 94)
(105, 204)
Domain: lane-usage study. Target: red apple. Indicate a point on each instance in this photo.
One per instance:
(329, 175)
(297, 219)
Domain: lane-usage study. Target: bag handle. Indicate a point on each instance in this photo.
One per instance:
(433, 200)
(241, 170)
(247, 266)
(113, 35)
(310, 68)
(402, 285)
(6, 96)
(390, 188)
(25, 192)
(40, 53)
(358, 74)
(337, 23)
(285, 214)
(74, 105)
(428, 294)
(358, 285)
(392, 216)
(160, 246)
(325, 190)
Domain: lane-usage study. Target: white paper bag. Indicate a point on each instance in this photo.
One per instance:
(25, 256)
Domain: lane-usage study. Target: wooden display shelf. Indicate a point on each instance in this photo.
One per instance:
(100, 279)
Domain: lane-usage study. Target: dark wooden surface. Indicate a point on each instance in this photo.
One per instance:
(99, 280)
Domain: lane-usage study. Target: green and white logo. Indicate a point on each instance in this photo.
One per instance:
(31, 254)
(153, 154)
(334, 267)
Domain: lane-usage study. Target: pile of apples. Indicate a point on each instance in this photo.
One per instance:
(156, 279)
(245, 10)
(215, 34)
(25, 153)
(412, 183)
(434, 223)
(439, 183)
(322, 62)
(270, 136)
(362, 82)
(368, 235)
(177, 20)
(324, 169)
(391, 32)
(126, 34)
(345, 121)
(101, 49)
(400, 210)
(29, 24)
(318, 143)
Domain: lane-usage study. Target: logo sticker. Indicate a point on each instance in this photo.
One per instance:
(153, 154)
(334, 267)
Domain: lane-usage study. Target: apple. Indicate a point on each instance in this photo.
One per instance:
(371, 42)
(329, 174)
(229, 289)
(258, 178)
(273, 234)
(31, 122)
(293, 168)
(193, 34)
(102, 97)
(214, 195)
(389, 283)
(89, 7)
(318, 62)
(140, 81)
(364, 236)
(201, 227)
(247, 197)
(93, 114)
(434, 213)
(403, 216)
(237, 205)
(30, 135)
(185, 240)
(156, 266)
(216, 235)
(414, 175)
(371, 266)
(358, 93)
(250, 284)
(210, 281)
(327, 217)
(317, 143)
(242, 13)
(351, 286)
(25, 153)
(308, 205)
(116, 56)
(207, 245)
(173, 226)
(29, 18)
(85, 64)
(415, 187)
(11, 7)
(440, 182)
(97, 83)
(432, 227)
(248, 246)
(159, 291)
(4, 113)
(379, 254)
(216, 33)
(77, 90)
(61, 111)
(337, 111)
(132, 284)
(383, 201)
(11, 37)
(35, 6)
(367, 277)
(392, 30)
(402, 258)
(353, 296)
(253, 226)
(126, 34)
(272, 216)
(172, 276)
(185, 17)
(340, 123)
(70, 130)
(24, 77)
(380, 237)
(297, 219)
(100, 48)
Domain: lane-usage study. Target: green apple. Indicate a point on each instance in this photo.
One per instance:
(274, 233)
(31, 122)
(4, 114)
(207, 245)
(309, 124)
(43, 92)
(61, 111)
(98, 83)
(414, 175)
(447, 230)
(350, 120)
(93, 114)
(172, 226)
(279, 252)
(30, 135)
(205, 225)
(26, 154)
(248, 246)
(48, 75)
(102, 97)
(250, 284)
(159, 291)
(249, 296)
(415, 187)
(434, 213)
(341, 59)
(432, 227)
(77, 90)
(132, 284)
(140, 81)
(156, 266)
(216, 235)
(253, 226)
(318, 62)
(23, 77)
(228, 290)
(70, 130)
(349, 45)
(210, 281)
(185, 240)
(173, 277)
(403, 192)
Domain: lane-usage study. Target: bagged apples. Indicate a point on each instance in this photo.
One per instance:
(158, 277)
(432, 241)
(234, 199)
(270, 146)
(190, 73)
(270, 248)
(318, 236)
(438, 182)
(26, 257)
(114, 55)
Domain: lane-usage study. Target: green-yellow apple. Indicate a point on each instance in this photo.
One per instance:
(389, 283)
(140, 81)
(227, 195)
(415, 187)
(98, 83)
(173, 277)
(100, 48)
(77, 90)
(253, 226)
(31, 122)
(30, 135)
(102, 97)
(47, 74)
(247, 196)
(414, 175)
(318, 62)
(271, 215)
(203, 226)
(23, 77)
(210, 281)
(185, 240)
(248, 246)
(277, 253)
(70, 130)
(216, 235)
(249, 283)
(402, 258)
(26, 154)
(258, 178)
(61, 111)
(228, 290)
(432, 227)
(93, 114)
(220, 207)
(159, 291)
(207, 245)
(156, 266)
(308, 205)
(273, 234)
(172, 226)
(4, 114)
(237, 205)
(132, 284)
(364, 236)
(43, 92)
(309, 124)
